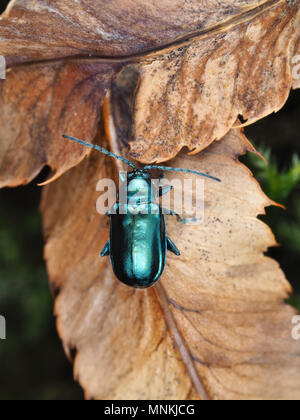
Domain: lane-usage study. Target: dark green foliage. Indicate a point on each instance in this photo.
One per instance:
(282, 187)
(277, 138)
(278, 184)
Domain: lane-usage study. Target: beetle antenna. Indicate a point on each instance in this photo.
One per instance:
(100, 149)
(166, 168)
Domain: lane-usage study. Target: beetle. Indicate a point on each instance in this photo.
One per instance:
(138, 241)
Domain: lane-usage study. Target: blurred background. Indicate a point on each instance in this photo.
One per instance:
(32, 363)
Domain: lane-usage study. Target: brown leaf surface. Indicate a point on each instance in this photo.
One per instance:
(32, 29)
(217, 321)
(38, 104)
(193, 95)
(233, 55)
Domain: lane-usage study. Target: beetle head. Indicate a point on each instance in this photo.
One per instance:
(139, 174)
(139, 185)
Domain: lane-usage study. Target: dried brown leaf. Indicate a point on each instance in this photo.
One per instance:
(193, 95)
(216, 326)
(33, 29)
(232, 56)
(216, 322)
(38, 104)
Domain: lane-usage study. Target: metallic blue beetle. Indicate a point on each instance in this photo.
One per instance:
(138, 241)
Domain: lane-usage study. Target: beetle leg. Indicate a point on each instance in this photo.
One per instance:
(179, 218)
(172, 213)
(172, 247)
(164, 190)
(106, 250)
